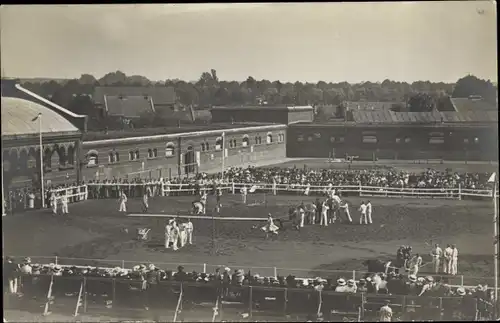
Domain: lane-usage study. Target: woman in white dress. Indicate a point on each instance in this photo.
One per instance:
(270, 227)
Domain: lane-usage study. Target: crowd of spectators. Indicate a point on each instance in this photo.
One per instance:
(149, 276)
(29, 198)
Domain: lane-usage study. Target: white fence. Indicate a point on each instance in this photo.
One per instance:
(73, 193)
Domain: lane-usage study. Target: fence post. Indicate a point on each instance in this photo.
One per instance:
(232, 186)
(359, 190)
(354, 275)
(204, 268)
(440, 308)
(56, 260)
(275, 273)
(285, 301)
(459, 191)
(123, 264)
(84, 294)
(250, 301)
(462, 280)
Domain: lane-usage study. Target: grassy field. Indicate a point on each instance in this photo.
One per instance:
(95, 230)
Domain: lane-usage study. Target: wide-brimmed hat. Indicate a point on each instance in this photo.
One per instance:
(151, 267)
(461, 291)
(136, 268)
(420, 279)
(35, 266)
(341, 282)
(430, 279)
(351, 282)
(227, 269)
(27, 260)
(57, 268)
(412, 278)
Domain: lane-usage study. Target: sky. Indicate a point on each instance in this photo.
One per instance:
(307, 42)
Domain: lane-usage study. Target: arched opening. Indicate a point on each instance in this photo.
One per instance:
(47, 160)
(117, 157)
(189, 162)
(202, 146)
(61, 152)
(22, 164)
(245, 142)
(169, 150)
(218, 143)
(111, 157)
(269, 138)
(33, 159)
(70, 158)
(137, 154)
(92, 158)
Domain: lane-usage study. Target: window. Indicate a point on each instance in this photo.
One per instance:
(260, 140)
(398, 140)
(281, 137)
(234, 143)
(92, 158)
(269, 138)
(202, 146)
(111, 157)
(256, 140)
(150, 153)
(436, 138)
(369, 139)
(207, 146)
(169, 150)
(131, 155)
(137, 155)
(218, 143)
(117, 157)
(245, 141)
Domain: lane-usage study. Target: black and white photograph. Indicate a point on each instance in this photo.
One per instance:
(250, 162)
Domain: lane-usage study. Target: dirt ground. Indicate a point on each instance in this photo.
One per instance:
(95, 230)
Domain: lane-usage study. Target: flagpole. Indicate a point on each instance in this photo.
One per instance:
(41, 160)
(223, 154)
(496, 242)
(3, 192)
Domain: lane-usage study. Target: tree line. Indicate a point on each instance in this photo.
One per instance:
(76, 94)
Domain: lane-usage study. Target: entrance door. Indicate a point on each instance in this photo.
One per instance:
(189, 162)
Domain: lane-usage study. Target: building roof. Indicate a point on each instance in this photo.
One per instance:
(371, 106)
(265, 107)
(423, 117)
(163, 95)
(17, 116)
(467, 105)
(142, 132)
(128, 106)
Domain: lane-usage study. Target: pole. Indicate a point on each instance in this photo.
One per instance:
(3, 192)
(496, 242)
(223, 154)
(41, 161)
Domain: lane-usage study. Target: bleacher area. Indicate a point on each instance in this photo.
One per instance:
(187, 300)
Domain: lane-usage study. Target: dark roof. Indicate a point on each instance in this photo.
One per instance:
(202, 115)
(264, 107)
(181, 114)
(160, 94)
(422, 117)
(466, 105)
(371, 106)
(91, 136)
(128, 106)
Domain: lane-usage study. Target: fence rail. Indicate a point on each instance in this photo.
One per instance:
(66, 294)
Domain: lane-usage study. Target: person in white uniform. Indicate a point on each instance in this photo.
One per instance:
(275, 190)
(270, 227)
(53, 203)
(369, 211)
(31, 200)
(416, 263)
(436, 254)
(385, 313)
(168, 234)
(203, 201)
(64, 203)
(189, 230)
(302, 214)
(345, 207)
(123, 202)
(454, 260)
(175, 235)
(145, 204)
(244, 193)
(362, 209)
(447, 260)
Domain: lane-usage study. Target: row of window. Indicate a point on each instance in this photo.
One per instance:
(371, 139)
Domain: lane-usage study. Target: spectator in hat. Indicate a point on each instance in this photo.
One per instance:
(341, 286)
(385, 312)
(181, 274)
(351, 286)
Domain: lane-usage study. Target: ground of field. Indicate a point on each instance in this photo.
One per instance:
(95, 230)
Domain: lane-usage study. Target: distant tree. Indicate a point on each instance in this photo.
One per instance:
(471, 85)
(421, 102)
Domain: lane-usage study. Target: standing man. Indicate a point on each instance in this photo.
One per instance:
(175, 235)
(53, 202)
(244, 193)
(145, 204)
(369, 211)
(416, 263)
(218, 196)
(203, 201)
(302, 213)
(64, 202)
(11, 272)
(168, 233)
(324, 214)
(274, 186)
(436, 254)
(189, 230)
(123, 202)
(345, 206)
(454, 260)
(385, 312)
(447, 259)
(362, 209)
